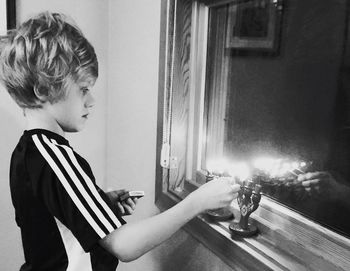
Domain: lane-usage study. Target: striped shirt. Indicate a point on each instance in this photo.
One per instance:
(60, 210)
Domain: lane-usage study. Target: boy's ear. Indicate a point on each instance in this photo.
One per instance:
(41, 94)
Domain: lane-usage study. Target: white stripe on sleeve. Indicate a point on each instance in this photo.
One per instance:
(68, 188)
(79, 185)
(90, 184)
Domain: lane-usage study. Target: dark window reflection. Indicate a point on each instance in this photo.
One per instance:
(289, 101)
(254, 22)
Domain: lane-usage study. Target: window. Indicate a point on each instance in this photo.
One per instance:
(272, 98)
(234, 89)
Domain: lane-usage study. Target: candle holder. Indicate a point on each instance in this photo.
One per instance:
(248, 200)
(220, 214)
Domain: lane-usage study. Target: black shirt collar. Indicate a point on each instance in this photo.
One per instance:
(60, 139)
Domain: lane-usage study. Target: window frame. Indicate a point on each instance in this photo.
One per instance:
(287, 240)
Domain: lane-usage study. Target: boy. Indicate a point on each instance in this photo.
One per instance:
(49, 68)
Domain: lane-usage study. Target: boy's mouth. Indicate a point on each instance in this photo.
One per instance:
(85, 116)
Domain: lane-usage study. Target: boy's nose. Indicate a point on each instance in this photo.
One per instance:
(90, 102)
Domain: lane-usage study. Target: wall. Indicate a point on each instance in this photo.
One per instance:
(11, 123)
(132, 105)
(91, 17)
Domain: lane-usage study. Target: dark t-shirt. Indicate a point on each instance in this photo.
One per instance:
(60, 210)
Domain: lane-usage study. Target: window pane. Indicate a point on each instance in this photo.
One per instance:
(276, 88)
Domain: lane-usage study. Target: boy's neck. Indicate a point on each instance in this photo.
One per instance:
(36, 119)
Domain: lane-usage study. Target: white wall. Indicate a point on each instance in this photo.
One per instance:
(90, 15)
(11, 122)
(132, 105)
(132, 95)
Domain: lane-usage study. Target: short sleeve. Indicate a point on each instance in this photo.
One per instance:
(64, 182)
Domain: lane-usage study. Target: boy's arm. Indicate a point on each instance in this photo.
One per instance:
(133, 240)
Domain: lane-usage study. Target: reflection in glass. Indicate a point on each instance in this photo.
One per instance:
(279, 94)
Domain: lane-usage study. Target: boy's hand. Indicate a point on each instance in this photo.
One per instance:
(125, 207)
(215, 194)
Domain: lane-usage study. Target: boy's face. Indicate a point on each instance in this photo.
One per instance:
(72, 111)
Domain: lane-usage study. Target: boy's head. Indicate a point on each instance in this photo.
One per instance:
(41, 57)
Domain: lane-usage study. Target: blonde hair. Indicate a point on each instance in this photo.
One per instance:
(37, 59)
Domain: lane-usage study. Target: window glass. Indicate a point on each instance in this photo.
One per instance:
(277, 105)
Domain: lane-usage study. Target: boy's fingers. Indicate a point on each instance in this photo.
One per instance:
(128, 209)
(235, 195)
(121, 192)
(130, 202)
(121, 208)
(235, 188)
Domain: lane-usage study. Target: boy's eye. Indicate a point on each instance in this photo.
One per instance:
(84, 90)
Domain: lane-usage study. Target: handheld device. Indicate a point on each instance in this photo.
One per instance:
(132, 194)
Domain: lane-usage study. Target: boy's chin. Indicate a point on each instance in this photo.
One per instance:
(73, 129)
